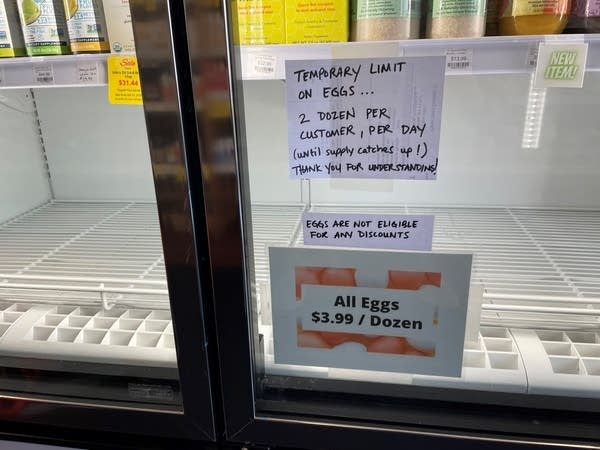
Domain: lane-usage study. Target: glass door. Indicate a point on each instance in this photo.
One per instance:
(415, 246)
(98, 274)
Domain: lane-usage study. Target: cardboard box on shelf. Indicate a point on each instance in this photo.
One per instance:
(309, 21)
(118, 25)
(260, 21)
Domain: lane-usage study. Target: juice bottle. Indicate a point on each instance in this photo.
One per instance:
(119, 27)
(585, 17)
(86, 26)
(533, 16)
(44, 27)
(11, 37)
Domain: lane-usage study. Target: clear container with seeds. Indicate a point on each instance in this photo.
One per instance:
(455, 18)
(382, 20)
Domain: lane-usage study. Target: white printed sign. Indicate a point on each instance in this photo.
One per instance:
(370, 310)
(43, 74)
(87, 73)
(261, 65)
(561, 65)
(364, 118)
(389, 231)
(459, 60)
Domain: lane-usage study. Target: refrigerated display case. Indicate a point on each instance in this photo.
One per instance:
(515, 189)
(103, 315)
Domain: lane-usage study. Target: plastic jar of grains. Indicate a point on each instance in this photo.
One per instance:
(455, 18)
(383, 20)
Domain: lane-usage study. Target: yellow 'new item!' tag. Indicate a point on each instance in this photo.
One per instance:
(123, 80)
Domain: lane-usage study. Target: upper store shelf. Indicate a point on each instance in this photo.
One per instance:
(53, 71)
(488, 55)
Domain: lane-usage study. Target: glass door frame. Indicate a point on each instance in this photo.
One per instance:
(187, 289)
(317, 417)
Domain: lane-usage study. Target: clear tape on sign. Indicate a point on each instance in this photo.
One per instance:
(342, 184)
(367, 50)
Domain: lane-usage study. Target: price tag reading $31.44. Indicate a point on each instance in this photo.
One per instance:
(124, 80)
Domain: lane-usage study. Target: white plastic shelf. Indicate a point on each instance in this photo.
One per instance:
(490, 55)
(493, 363)
(560, 361)
(85, 281)
(540, 270)
(117, 336)
(53, 71)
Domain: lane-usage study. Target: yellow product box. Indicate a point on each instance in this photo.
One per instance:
(316, 21)
(260, 21)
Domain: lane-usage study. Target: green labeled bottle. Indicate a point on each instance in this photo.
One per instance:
(11, 37)
(44, 27)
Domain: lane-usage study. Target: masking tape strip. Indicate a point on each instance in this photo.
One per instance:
(365, 50)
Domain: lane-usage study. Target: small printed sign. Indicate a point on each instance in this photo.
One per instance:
(459, 60)
(87, 73)
(261, 65)
(532, 56)
(370, 310)
(123, 80)
(561, 65)
(43, 74)
(365, 117)
(389, 231)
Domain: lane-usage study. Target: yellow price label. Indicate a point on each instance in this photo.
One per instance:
(123, 80)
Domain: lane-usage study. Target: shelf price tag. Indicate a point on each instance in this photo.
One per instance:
(87, 73)
(370, 310)
(123, 81)
(43, 74)
(459, 60)
(261, 65)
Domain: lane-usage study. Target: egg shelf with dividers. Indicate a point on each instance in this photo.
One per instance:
(541, 295)
(85, 282)
(85, 334)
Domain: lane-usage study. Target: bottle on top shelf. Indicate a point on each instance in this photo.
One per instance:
(385, 20)
(86, 26)
(44, 27)
(118, 25)
(11, 36)
(585, 17)
(491, 18)
(522, 17)
(455, 18)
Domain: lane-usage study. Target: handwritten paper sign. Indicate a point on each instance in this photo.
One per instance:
(364, 118)
(391, 231)
(370, 310)
(123, 80)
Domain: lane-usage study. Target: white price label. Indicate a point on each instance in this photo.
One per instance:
(532, 56)
(43, 74)
(87, 73)
(459, 60)
(261, 65)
